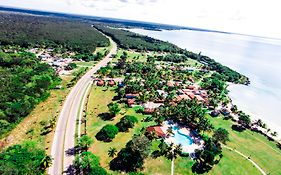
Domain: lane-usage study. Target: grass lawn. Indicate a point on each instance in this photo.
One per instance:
(98, 104)
(231, 164)
(85, 64)
(265, 153)
(132, 55)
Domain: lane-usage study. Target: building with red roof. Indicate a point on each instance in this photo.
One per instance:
(157, 130)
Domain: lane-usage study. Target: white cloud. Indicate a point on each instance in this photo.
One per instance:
(249, 17)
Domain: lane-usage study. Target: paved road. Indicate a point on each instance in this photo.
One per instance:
(64, 137)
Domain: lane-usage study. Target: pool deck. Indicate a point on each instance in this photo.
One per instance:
(197, 142)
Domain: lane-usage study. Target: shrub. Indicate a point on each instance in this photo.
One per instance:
(126, 122)
(107, 133)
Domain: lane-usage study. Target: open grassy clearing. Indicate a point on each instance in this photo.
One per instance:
(85, 64)
(265, 153)
(132, 55)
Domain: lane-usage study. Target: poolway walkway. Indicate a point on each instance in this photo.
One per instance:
(246, 157)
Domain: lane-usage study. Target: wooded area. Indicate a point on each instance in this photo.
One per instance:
(24, 82)
(31, 31)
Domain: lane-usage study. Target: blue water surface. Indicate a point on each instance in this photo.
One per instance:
(180, 138)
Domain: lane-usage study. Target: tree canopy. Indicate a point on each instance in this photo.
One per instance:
(24, 83)
(25, 158)
(107, 133)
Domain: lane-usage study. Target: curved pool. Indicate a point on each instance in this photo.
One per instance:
(181, 138)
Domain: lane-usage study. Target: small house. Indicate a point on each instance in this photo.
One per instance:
(111, 83)
(100, 83)
(157, 130)
(130, 102)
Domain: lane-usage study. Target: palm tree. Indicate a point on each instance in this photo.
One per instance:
(46, 162)
(112, 152)
(274, 134)
(178, 149)
(170, 131)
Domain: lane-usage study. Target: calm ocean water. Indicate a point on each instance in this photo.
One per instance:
(258, 58)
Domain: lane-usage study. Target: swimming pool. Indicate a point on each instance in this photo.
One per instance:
(181, 138)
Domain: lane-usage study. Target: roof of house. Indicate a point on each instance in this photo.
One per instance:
(111, 82)
(152, 105)
(131, 95)
(199, 98)
(190, 94)
(131, 101)
(157, 130)
(170, 84)
(100, 82)
(148, 110)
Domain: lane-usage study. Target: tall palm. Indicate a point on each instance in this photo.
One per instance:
(170, 131)
(112, 152)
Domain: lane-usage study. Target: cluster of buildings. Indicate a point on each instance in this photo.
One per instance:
(61, 65)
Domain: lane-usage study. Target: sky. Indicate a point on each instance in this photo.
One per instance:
(253, 17)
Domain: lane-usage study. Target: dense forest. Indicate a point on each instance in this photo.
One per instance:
(30, 31)
(24, 82)
(130, 40)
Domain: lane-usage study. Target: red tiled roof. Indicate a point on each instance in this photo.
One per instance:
(111, 82)
(148, 110)
(156, 129)
(190, 94)
(199, 98)
(191, 87)
(170, 84)
(100, 83)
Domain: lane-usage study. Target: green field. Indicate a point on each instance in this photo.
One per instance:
(85, 64)
(263, 152)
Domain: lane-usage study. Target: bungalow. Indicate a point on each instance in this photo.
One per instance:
(111, 83)
(183, 97)
(100, 83)
(199, 98)
(157, 130)
(130, 102)
(148, 111)
(131, 96)
(170, 84)
(152, 105)
(190, 94)
(191, 87)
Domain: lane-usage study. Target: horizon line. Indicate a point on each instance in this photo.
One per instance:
(180, 27)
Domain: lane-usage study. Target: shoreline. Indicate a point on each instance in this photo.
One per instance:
(254, 116)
